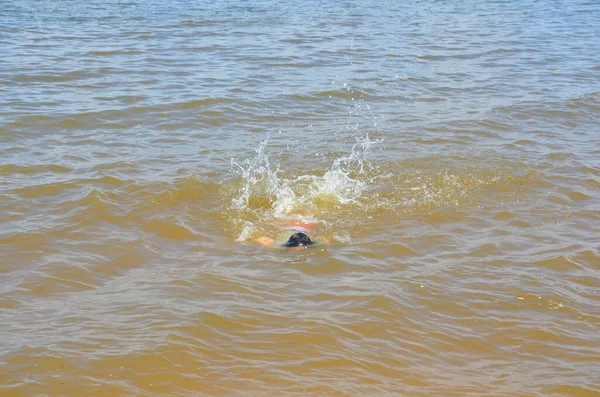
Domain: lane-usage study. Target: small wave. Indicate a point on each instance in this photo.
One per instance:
(590, 101)
(345, 93)
(115, 53)
(9, 169)
(169, 230)
(578, 109)
(53, 77)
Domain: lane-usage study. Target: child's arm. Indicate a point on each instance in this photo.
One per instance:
(265, 240)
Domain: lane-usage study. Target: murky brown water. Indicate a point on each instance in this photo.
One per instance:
(447, 154)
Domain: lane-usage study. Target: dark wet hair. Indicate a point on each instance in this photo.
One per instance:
(298, 239)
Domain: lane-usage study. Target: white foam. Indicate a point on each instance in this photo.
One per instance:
(268, 192)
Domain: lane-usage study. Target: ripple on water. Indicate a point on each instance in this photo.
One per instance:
(447, 154)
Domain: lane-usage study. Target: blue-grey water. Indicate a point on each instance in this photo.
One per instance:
(445, 155)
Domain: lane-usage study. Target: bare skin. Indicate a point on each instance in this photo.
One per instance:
(265, 240)
(292, 225)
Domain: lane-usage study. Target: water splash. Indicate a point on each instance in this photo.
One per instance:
(258, 177)
(346, 193)
(267, 193)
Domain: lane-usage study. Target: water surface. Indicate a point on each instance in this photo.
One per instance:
(446, 152)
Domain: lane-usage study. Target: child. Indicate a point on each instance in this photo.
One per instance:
(298, 239)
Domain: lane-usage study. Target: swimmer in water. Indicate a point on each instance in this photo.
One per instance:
(299, 238)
